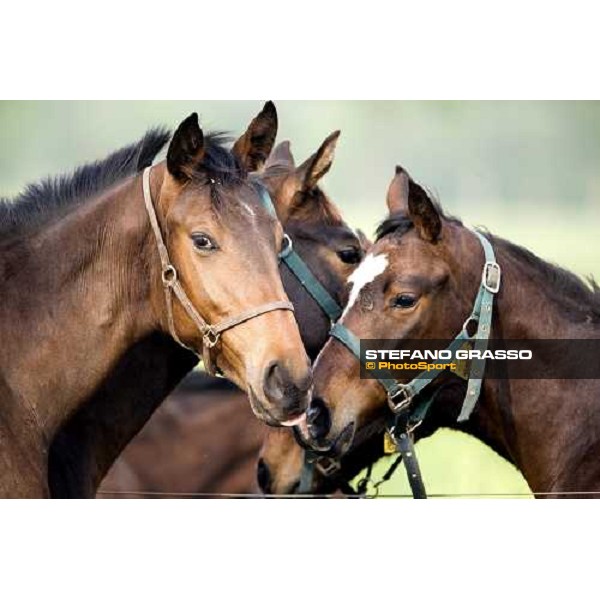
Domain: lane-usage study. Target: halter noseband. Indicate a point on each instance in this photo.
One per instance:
(171, 284)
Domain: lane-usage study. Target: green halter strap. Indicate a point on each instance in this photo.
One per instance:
(299, 268)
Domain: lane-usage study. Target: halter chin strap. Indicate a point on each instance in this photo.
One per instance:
(409, 414)
(299, 268)
(171, 284)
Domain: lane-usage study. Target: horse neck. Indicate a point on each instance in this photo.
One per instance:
(536, 425)
(90, 300)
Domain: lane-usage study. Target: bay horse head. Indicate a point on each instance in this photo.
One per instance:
(225, 246)
(417, 281)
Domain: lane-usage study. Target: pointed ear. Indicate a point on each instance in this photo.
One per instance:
(282, 155)
(254, 147)
(319, 163)
(405, 196)
(423, 213)
(186, 149)
(397, 196)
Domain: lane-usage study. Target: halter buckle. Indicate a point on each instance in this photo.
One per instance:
(327, 466)
(406, 398)
(286, 248)
(169, 276)
(491, 277)
(210, 337)
(464, 331)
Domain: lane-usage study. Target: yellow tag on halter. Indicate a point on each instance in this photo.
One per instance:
(389, 447)
(463, 366)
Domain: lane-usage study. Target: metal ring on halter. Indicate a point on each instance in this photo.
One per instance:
(407, 399)
(492, 276)
(169, 276)
(363, 488)
(210, 337)
(327, 466)
(464, 330)
(287, 246)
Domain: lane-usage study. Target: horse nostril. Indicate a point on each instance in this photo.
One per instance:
(273, 383)
(318, 419)
(263, 476)
(283, 390)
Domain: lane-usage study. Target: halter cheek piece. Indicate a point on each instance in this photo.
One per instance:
(299, 268)
(171, 284)
(409, 414)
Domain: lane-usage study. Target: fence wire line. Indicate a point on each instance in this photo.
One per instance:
(214, 495)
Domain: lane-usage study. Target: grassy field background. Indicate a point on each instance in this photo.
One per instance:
(529, 171)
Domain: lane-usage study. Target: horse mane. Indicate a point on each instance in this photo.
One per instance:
(218, 162)
(580, 301)
(397, 224)
(43, 202)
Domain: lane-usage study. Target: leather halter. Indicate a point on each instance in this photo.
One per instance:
(172, 285)
(408, 414)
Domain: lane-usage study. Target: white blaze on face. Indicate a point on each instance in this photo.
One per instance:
(372, 266)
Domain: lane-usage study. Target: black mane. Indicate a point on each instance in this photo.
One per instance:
(394, 224)
(219, 163)
(47, 200)
(41, 202)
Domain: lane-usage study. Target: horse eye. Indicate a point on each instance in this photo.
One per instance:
(404, 301)
(203, 242)
(350, 256)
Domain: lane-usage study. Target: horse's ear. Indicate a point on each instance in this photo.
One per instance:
(423, 213)
(254, 147)
(407, 197)
(319, 163)
(186, 149)
(282, 155)
(397, 196)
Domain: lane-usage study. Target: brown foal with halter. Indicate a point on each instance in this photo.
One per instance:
(83, 284)
(206, 441)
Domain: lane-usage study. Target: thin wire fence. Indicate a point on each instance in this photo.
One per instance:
(209, 495)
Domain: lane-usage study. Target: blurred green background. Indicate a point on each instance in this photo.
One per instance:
(528, 171)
